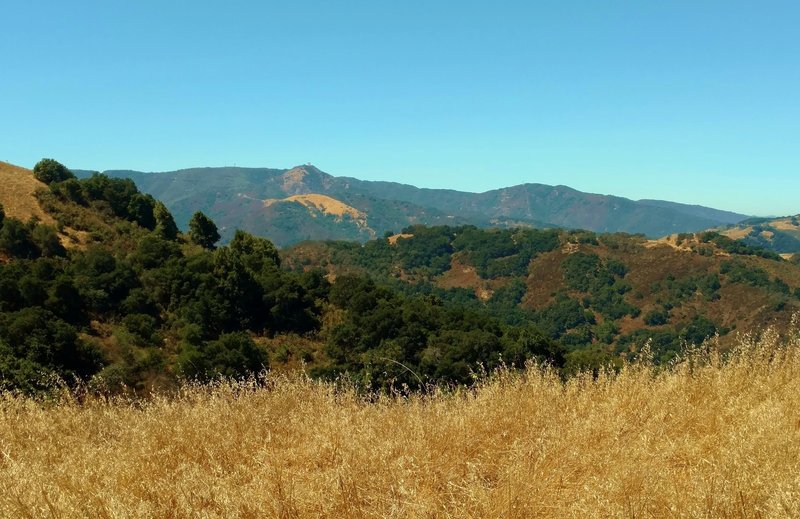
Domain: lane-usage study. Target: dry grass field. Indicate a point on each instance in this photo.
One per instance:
(17, 186)
(705, 438)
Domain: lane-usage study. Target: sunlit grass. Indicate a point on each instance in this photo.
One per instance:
(705, 438)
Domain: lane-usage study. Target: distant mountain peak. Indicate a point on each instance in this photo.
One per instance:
(392, 206)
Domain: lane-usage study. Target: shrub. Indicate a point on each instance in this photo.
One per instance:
(233, 355)
(49, 171)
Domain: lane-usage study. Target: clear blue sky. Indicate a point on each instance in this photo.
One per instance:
(692, 101)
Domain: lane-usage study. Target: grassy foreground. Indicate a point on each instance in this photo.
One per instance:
(704, 439)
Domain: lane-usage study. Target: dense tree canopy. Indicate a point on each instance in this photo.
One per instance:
(203, 231)
(49, 171)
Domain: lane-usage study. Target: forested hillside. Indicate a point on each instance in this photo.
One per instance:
(278, 204)
(113, 294)
(104, 288)
(780, 235)
(601, 296)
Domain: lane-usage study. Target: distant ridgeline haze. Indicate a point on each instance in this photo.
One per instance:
(304, 203)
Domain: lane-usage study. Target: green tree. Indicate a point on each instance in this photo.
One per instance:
(203, 231)
(2, 215)
(49, 171)
(165, 223)
(232, 355)
(47, 241)
(15, 238)
(140, 210)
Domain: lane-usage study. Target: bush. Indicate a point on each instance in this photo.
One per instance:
(233, 355)
(49, 171)
(656, 317)
(15, 238)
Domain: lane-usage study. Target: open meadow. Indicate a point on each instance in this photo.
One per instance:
(706, 438)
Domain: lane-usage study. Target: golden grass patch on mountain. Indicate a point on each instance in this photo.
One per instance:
(785, 224)
(402, 236)
(17, 188)
(737, 233)
(323, 204)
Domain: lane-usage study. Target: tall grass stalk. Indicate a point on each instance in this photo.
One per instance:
(711, 436)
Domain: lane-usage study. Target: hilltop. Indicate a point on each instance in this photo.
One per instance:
(234, 197)
(17, 194)
(781, 235)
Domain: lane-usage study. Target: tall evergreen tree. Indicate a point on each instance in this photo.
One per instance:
(165, 223)
(203, 231)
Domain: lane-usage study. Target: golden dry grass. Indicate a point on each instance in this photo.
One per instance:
(17, 187)
(705, 439)
(323, 204)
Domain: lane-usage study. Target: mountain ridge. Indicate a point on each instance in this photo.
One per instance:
(391, 206)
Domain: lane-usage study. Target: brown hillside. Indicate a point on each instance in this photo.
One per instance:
(740, 306)
(17, 188)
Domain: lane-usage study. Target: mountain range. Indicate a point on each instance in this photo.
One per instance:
(305, 203)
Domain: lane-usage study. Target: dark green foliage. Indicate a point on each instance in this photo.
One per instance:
(590, 360)
(36, 341)
(738, 271)
(232, 355)
(103, 280)
(737, 246)
(203, 231)
(256, 253)
(498, 253)
(674, 292)
(698, 330)
(154, 251)
(2, 214)
(563, 314)
(778, 240)
(71, 189)
(509, 296)
(49, 171)
(525, 343)
(602, 279)
(140, 210)
(165, 223)
(16, 239)
(667, 342)
(582, 271)
(46, 240)
(656, 317)
(387, 340)
(430, 248)
(143, 329)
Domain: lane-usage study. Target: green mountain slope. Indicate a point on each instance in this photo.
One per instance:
(599, 295)
(234, 196)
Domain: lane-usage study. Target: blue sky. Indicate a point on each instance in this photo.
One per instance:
(694, 101)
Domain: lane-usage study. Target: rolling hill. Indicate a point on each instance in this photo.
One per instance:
(781, 235)
(17, 193)
(238, 198)
(602, 293)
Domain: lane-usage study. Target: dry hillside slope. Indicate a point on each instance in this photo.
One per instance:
(17, 187)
